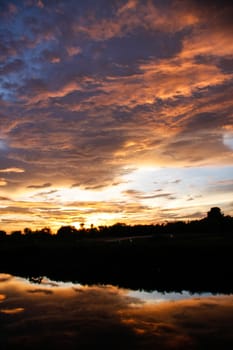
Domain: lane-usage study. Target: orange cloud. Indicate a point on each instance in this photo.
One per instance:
(12, 170)
(40, 4)
(205, 42)
(3, 182)
(73, 50)
(136, 14)
(43, 94)
(12, 311)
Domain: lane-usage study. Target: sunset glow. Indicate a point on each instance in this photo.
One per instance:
(114, 111)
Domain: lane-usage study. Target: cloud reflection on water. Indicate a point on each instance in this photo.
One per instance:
(69, 316)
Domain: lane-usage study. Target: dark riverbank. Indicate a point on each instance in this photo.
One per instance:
(197, 263)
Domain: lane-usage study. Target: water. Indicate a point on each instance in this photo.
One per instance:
(56, 315)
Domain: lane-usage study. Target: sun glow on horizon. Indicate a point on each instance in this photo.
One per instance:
(145, 195)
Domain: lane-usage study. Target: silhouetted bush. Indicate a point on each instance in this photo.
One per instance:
(2, 234)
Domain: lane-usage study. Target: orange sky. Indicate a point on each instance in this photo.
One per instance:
(114, 111)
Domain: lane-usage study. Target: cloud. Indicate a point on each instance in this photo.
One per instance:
(40, 4)
(73, 50)
(12, 311)
(221, 186)
(3, 182)
(41, 291)
(45, 193)
(51, 56)
(15, 210)
(12, 170)
(204, 151)
(5, 199)
(141, 195)
(217, 13)
(45, 185)
(88, 90)
(12, 67)
(135, 14)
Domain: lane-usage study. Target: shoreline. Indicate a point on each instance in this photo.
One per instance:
(204, 265)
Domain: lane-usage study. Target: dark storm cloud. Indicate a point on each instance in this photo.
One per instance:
(218, 12)
(226, 64)
(142, 44)
(12, 67)
(32, 87)
(207, 121)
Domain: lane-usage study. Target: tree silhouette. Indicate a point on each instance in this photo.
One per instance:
(66, 231)
(2, 234)
(27, 231)
(215, 214)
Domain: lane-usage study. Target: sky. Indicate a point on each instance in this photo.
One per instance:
(114, 111)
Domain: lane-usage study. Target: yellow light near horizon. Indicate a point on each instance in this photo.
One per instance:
(102, 219)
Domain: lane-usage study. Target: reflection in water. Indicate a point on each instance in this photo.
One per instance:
(52, 315)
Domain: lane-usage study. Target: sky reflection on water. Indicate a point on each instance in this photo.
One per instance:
(54, 315)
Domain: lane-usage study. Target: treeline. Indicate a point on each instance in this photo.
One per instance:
(195, 255)
(215, 223)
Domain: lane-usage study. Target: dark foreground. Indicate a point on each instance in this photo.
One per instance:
(199, 263)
